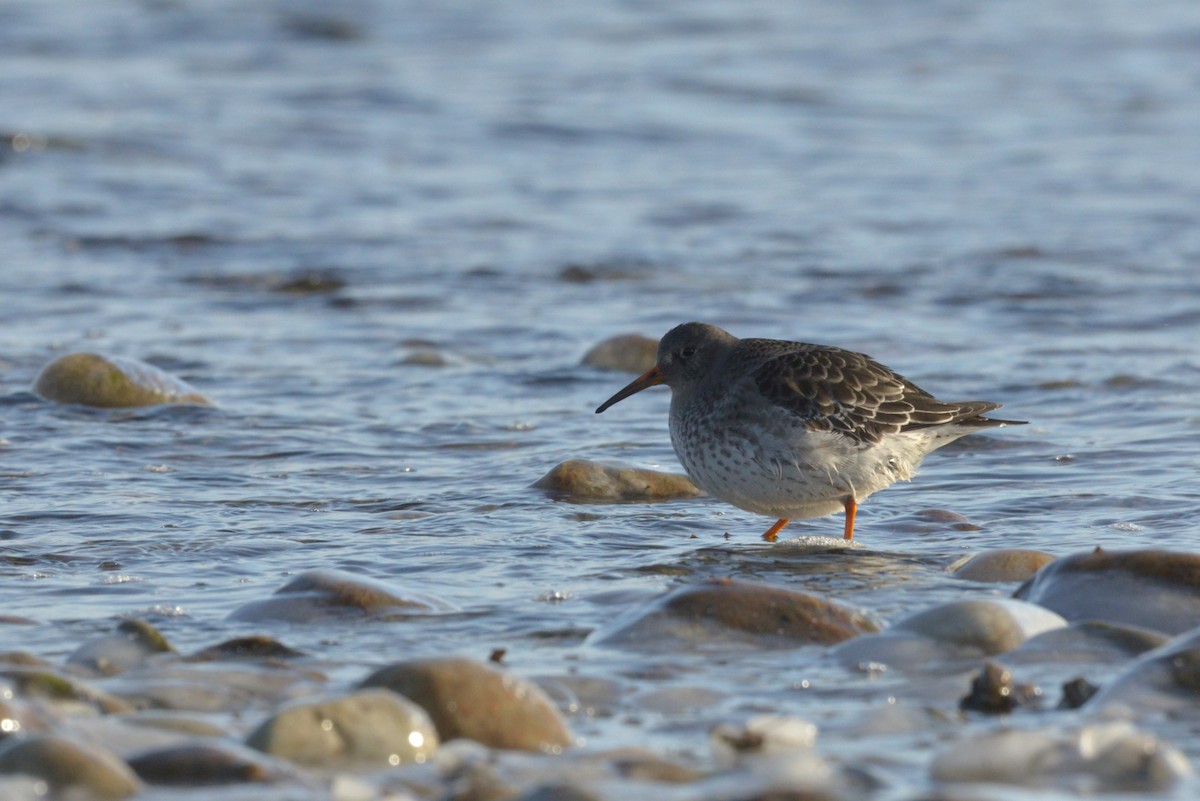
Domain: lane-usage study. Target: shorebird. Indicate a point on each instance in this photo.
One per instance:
(793, 430)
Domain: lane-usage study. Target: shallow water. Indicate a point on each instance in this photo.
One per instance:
(296, 209)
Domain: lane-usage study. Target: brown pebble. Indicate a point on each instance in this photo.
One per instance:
(586, 481)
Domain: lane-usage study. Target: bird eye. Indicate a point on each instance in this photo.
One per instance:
(687, 353)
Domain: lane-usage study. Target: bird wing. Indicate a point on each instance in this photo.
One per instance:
(838, 390)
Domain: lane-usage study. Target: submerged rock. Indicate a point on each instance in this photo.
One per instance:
(130, 644)
(1088, 641)
(112, 382)
(586, 481)
(630, 353)
(721, 612)
(373, 727)
(1103, 757)
(1165, 680)
(1155, 589)
(201, 687)
(1005, 564)
(479, 702)
(33, 682)
(318, 594)
(68, 767)
(953, 631)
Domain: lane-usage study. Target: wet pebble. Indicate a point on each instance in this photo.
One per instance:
(112, 382)
(1107, 756)
(1076, 693)
(1151, 588)
(956, 630)
(1005, 564)
(252, 647)
(369, 727)
(630, 353)
(724, 612)
(479, 702)
(68, 767)
(994, 692)
(318, 594)
(199, 764)
(130, 644)
(587, 481)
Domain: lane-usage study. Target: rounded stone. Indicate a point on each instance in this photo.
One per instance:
(478, 702)
(992, 626)
(630, 353)
(1005, 564)
(1154, 589)
(113, 382)
(130, 644)
(369, 727)
(723, 610)
(69, 767)
(319, 594)
(582, 480)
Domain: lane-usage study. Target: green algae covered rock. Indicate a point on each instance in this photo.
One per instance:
(112, 382)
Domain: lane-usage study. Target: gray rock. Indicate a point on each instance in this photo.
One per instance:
(374, 727)
(727, 612)
(69, 767)
(630, 353)
(1006, 564)
(958, 630)
(112, 382)
(479, 702)
(585, 481)
(130, 644)
(319, 594)
(1154, 589)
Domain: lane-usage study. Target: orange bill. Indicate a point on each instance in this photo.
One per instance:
(651, 378)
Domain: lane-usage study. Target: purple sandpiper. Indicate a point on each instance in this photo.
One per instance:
(793, 430)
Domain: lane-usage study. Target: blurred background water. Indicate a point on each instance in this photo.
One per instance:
(382, 234)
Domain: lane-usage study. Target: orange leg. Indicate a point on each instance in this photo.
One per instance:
(773, 531)
(851, 508)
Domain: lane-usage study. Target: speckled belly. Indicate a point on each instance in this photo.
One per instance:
(787, 473)
(766, 473)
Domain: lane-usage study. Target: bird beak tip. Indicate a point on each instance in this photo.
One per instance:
(650, 378)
